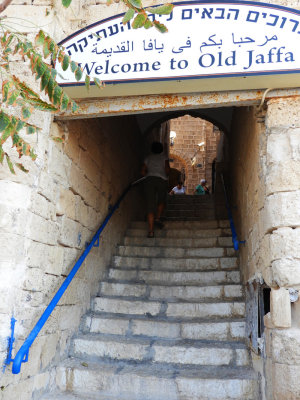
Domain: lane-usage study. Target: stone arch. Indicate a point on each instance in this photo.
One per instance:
(187, 166)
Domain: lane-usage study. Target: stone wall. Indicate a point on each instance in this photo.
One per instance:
(189, 132)
(46, 217)
(265, 173)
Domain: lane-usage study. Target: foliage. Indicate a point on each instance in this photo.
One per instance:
(40, 56)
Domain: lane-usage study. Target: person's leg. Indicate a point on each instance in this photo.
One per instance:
(150, 218)
(162, 194)
(150, 200)
(160, 209)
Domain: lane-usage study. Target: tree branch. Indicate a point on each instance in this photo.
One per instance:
(4, 5)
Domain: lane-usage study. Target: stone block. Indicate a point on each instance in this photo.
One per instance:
(199, 310)
(242, 357)
(69, 317)
(283, 112)
(48, 187)
(47, 258)
(285, 242)
(12, 248)
(42, 207)
(70, 233)
(13, 220)
(36, 280)
(283, 177)
(200, 331)
(278, 148)
(15, 194)
(286, 272)
(66, 204)
(111, 349)
(121, 289)
(281, 209)
(192, 355)
(42, 230)
(59, 165)
(126, 306)
(286, 381)
(280, 308)
(286, 346)
(155, 328)
(107, 325)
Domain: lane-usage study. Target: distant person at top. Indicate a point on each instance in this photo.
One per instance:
(179, 189)
(202, 188)
(156, 169)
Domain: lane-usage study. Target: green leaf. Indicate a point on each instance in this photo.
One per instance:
(20, 125)
(57, 95)
(58, 139)
(65, 63)
(53, 73)
(148, 24)
(25, 89)
(136, 3)
(32, 155)
(78, 74)
(10, 165)
(4, 121)
(98, 83)
(50, 88)
(74, 107)
(128, 16)
(139, 21)
(165, 9)
(21, 167)
(40, 38)
(66, 3)
(65, 102)
(46, 50)
(87, 82)
(26, 112)
(45, 79)
(161, 27)
(6, 134)
(39, 104)
(73, 66)
(40, 68)
(52, 46)
(30, 129)
(13, 97)
(1, 155)
(5, 90)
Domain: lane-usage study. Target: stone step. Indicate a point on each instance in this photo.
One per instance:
(167, 293)
(117, 381)
(175, 278)
(191, 225)
(233, 309)
(230, 330)
(161, 351)
(203, 214)
(225, 241)
(172, 252)
(180, 233)
(176, 264)
(73, 396)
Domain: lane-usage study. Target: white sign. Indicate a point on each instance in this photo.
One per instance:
(205, 40)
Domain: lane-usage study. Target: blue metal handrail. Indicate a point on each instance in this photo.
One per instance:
(235, 240)
(22, 354)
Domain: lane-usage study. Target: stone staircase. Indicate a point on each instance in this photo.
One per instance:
(167, 324)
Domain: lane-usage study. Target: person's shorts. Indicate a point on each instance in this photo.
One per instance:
(155, 192)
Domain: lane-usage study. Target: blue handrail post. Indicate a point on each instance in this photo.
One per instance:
(22, 354)
(235, 240)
